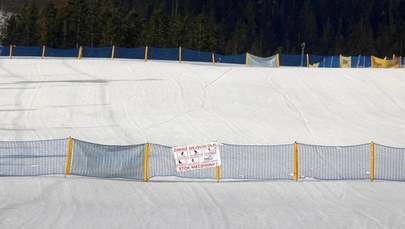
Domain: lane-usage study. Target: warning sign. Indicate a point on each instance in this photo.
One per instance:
(196, 156)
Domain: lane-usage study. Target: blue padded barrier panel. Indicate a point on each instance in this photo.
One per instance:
(389, 163)
(196, 56)
(107, 161)
(334, 162)
(292, 60)
(5, 51)
(55, 52)
(33, 158)
(230, 59)
(103, 52)
(130, 53)
(361, 61)
(163, 53)
(161, 163)
(325, 61)
(27, 51)
(268, 162)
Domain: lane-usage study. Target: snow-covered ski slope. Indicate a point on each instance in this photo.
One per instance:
(129, 102)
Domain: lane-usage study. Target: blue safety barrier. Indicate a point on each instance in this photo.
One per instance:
(163, 53)
(196, 56)
(231, 59)
(293, 60)
(361, 61)
(130, 53)
(5, 51)
(54, 52)
(325, 61)
(27, 51)
(103, 52)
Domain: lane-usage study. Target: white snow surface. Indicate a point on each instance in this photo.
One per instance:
(128, 102)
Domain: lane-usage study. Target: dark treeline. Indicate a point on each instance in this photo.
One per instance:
(262, 27)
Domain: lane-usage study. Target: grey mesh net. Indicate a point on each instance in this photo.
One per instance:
(389, 163)
(33, 158)
(256, 161)
(89, 159)
(334, 162)
(256, 61)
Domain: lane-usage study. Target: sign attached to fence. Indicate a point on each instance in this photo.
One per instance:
(194, 157)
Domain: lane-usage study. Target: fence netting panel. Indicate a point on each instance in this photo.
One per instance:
(256, 61)
(256, 162)
(389, 163)
(33, 158)
(108, 161)
(230, 59)
(54, 52)
(103, 52)
(27, 51)
(196, 56)
(130, 53)
(334, 162)
(293, 60)
(163, 53)
(161, 163)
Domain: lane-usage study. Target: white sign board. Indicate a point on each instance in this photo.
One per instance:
(194, 157)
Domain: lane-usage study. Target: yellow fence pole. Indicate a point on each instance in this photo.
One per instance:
(113, 52)
(213, 58)
(146, 162)
(372, 161)
(11, 51)
(307, 60)
(80, 53)
(69, 155)
(247, 59)
(180, 55)
(278, 60)
(217, 173)
(295, 161)
(43, 52)
(146, 53)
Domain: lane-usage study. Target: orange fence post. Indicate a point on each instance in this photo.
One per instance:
(278, 60)
(247, 59)
(213, 58)
(80, 53)
(43, 52)
(372, 161)
(11, 51)
(69, 155)
(295, 156)
(146, 53)
(146, 162)
(113, 52)
(217, 173)
(307, 60)
(180, 55)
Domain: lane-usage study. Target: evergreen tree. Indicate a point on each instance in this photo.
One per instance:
(156, 32)
(27, 23)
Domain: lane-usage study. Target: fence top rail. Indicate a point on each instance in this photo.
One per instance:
(255, 145)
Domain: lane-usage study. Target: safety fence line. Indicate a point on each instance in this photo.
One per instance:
(295, 161)
(181, 54)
